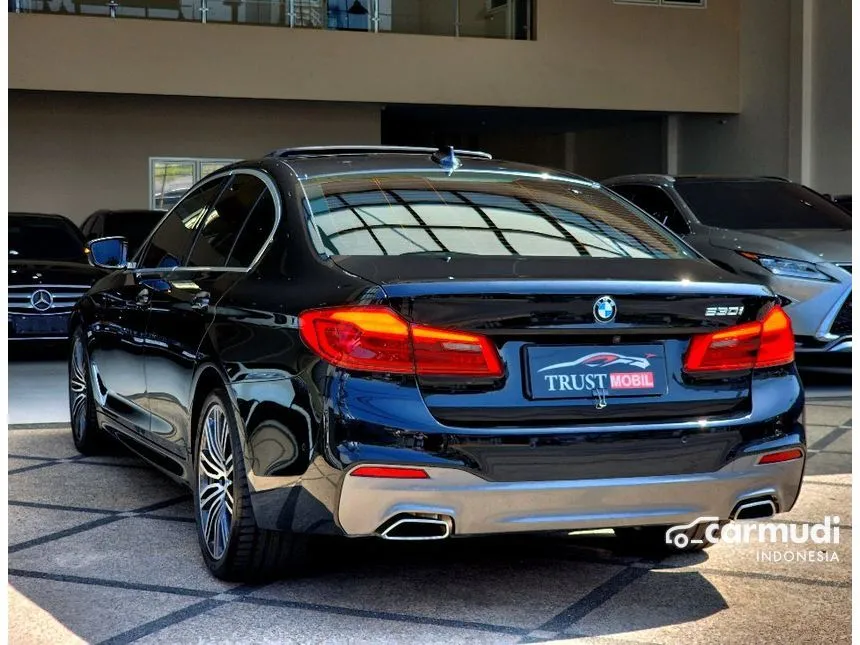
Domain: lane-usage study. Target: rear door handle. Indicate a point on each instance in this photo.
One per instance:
(200, 301)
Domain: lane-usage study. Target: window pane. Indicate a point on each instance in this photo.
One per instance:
(211, 166)
(173, 238)
(224, 222)
(170, 181)
(42, 238)
(761, 205)
(255, 233)
(482, 214)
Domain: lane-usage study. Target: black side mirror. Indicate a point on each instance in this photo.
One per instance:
(108, 252)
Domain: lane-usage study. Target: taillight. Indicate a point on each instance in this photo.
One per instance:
(376, 339)
(768, 343)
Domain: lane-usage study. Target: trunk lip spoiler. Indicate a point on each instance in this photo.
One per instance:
(418, 288)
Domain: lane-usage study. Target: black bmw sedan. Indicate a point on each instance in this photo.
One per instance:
(418, 344)
(48, 273)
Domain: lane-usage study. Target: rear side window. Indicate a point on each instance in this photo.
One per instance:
(481, 214)
(173, 238)
(256, 232)
(225, 224)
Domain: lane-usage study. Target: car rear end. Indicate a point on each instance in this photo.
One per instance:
(539, 357)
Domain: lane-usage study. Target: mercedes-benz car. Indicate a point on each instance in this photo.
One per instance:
(416, 345)
(780, 233)
(48, 273)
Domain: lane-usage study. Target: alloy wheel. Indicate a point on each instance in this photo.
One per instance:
(78, 389)
(215, 481)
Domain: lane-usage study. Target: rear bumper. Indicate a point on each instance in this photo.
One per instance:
(477, 506)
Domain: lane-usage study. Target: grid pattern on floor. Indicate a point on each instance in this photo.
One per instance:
(111, 537)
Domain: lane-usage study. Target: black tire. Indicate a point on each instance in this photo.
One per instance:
(89, 438)
(251, 554)
(651, 540)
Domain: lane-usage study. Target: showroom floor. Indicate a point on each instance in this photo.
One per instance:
(104, 550)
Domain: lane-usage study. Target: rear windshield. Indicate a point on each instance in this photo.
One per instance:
(478, 213)
(761, 205)
(33, 238)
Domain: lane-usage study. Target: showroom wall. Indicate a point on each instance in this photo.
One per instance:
(587, 54)
(756, 140)
(831, 97)
(795, 116)
(73, 153)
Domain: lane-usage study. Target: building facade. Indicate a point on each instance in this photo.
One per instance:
(126, 111)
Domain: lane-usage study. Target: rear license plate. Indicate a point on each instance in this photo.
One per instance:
(583, 372)
(49, 324)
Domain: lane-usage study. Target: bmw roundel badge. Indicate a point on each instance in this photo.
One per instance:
(604, 309)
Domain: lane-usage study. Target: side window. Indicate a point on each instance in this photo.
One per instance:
(172, 240)
(654, 201)
(91, 229)
(223, 224)
(255, 233)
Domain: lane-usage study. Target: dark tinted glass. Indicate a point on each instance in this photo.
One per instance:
(224, 223)
(255, 233)
(761, 205)
(89, 227)
(654, 201)
(133, 226)
(479, 213)
(171, 241)
(42, 238)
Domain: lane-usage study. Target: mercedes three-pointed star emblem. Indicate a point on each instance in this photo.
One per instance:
(42, 300)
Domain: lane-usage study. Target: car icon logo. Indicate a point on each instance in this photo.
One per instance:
(604, 309)
(42, 300)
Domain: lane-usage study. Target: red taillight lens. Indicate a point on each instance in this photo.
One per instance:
(376, 339)
(752, 345)
(390, 472)
(777, 339)
(784, 455)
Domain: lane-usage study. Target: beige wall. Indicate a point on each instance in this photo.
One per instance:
(756, 140)
(588, 54)
(831, 97)
(795, 118)
(75, 153)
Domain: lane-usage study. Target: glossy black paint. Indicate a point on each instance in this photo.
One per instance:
(161, 340)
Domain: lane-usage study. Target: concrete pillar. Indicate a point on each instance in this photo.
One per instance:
(800, 91)
(671, 143)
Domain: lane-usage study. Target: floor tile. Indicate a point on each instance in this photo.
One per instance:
(133, 549)
(92, 613)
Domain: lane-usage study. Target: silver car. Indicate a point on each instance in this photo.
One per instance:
(779, 232)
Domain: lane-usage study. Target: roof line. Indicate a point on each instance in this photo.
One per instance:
(325, 151)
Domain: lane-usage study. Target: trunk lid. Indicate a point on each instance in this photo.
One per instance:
(562, 366)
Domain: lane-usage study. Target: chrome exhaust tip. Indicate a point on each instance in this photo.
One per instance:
(417, 528)
(754, 510)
